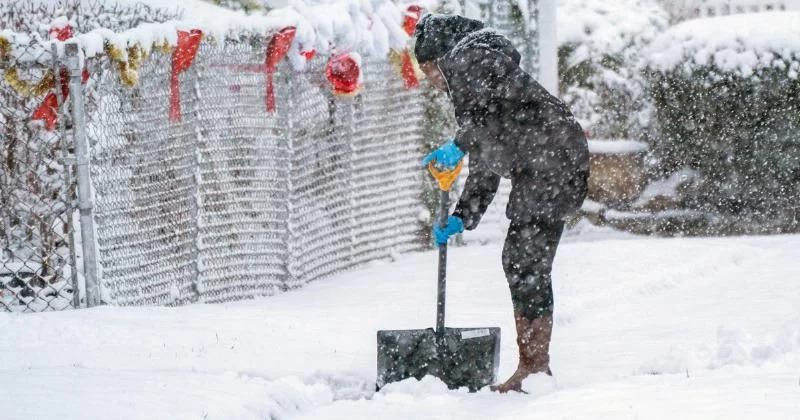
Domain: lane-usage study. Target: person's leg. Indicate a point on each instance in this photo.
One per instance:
(528, 256)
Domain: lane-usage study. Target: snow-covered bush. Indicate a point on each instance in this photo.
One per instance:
(727, 104)
(247, 6)
(600, 44)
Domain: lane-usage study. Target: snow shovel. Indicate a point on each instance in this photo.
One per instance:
(460, 357)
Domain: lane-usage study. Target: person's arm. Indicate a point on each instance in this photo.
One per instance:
(479, 190)
(469, 134)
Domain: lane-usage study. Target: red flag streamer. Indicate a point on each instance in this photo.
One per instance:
(408, 72)
(47, 111)
(62, 34)
(407, 69)
(182, 58)
(276, 49)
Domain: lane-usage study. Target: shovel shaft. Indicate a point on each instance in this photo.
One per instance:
(440, 300)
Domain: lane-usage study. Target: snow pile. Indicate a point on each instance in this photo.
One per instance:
(760, 40)
(139, 394)
(733, 348)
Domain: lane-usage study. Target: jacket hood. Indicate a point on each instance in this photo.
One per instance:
(477, 53)
(487, 41)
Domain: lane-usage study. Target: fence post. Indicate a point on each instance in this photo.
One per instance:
(66, 186)
(197, 179)
(74, 63)
(288, 126)
(352, 173)
(546, 43)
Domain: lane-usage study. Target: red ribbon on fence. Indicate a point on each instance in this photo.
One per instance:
(407, 70)
(47, 111)
(182, 58)
(276, 49)
(62, 34)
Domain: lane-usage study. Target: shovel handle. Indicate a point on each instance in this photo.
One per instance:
(442, 282)
(445, 180)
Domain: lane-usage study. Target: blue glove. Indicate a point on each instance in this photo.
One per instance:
(446, 157)
(454, 225)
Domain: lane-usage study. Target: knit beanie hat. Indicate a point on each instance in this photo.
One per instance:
(437, 34)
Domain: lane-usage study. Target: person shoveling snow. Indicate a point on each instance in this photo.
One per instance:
(511, 127)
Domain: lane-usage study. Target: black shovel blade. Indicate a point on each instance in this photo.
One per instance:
(467, 357)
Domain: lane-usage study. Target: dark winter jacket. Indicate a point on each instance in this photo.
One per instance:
(513, 128)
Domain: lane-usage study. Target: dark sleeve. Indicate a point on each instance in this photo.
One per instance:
(479, 190)
(469, 135)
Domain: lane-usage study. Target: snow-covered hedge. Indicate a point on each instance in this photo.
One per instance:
(600, 44)
(727, 104)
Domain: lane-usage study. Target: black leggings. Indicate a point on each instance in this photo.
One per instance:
(528, 256)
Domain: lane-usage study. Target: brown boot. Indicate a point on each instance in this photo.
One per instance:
(533, 339)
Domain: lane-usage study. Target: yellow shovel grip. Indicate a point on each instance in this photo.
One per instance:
(445, 178)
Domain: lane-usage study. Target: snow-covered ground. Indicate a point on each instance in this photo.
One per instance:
(645, 328)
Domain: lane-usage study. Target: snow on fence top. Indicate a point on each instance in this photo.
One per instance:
(369, 27)
(740, 44)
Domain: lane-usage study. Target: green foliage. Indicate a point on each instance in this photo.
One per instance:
(439, 125)
(739, 132)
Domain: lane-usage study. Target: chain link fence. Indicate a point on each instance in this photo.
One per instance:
(37, 264)
(235, 202)
(102, 191)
